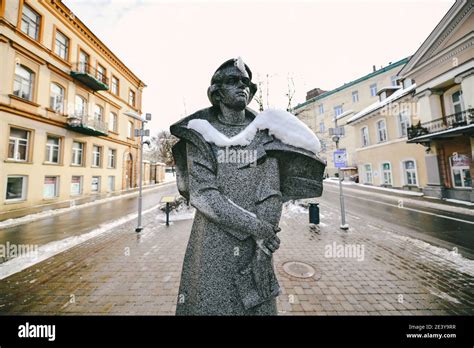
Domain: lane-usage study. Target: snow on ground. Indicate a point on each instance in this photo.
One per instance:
(457, 201)
(443, 295)
(182, 212)
(54, 212)
(281, 124)
(48, 250)
(378, 188)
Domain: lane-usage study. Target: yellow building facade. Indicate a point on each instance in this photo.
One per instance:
(319, 112)
(63, 98)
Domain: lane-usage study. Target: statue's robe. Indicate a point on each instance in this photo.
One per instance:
(231, 199)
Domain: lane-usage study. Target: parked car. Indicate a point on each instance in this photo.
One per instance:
(355, 178)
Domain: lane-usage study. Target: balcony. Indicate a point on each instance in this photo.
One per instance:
(449, 125)
(90, 76)
(87, 125)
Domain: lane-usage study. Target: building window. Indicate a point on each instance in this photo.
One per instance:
(368, 174)
(30, 22)
(80, 106)
(373, 90)
(386, 174)
(96, 155)
(355, 96)
(111, 158)
(323, 145)
(52, 149)
(76, 185)
(131, 98)
(16, 188)
(23, 84)
(381, 131)
(83, 62)
(113, 122)
(61, 45)
(457, 102)
(322, 127)
(321, 109)
(394, 80)
(409, 169)
(98, 113)
(460, 172)
(77, 153)
(111, 184)
(57, 98)
(130, 130)
(95, 184)
(365, 136)
(51, 187)
(338, 110)
(18, 144)
(101, 73)
(115, 85)
(403, 123)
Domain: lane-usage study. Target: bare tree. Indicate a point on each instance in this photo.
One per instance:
(160, 148)
(291, 91)
(259, 97)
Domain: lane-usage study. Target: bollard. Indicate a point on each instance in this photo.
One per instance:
(314, 213)
(167, 214)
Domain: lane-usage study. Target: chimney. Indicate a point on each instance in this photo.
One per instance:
(374, 69)
(314, 93)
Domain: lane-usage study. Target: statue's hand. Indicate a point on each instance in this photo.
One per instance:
(272, 244)
(263, 273)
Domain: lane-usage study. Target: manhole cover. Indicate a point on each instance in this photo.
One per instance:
(299, 269)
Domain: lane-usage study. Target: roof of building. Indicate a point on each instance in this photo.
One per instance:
(354, 82)
(378, 105)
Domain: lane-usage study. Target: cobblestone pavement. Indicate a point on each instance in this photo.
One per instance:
(121, 272)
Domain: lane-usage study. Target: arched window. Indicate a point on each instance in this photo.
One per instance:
(381, 131)
(409, 170)
(98, 113)
(80, 106)
(57, 98)
(23, 84)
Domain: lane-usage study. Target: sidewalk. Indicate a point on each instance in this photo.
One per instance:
(122, 272)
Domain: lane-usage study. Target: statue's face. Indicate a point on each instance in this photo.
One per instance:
(234, 91)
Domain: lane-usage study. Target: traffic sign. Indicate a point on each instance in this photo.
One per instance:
(340, 158)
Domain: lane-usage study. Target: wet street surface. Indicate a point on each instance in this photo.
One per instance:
(382, 268)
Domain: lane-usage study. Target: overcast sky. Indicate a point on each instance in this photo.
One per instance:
(174, 46)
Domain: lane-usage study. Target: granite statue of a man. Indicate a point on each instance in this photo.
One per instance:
(237, 169)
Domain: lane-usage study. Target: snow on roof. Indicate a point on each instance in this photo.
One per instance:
(344, 114)
(281, 124)
(386, 88)
(377, 105)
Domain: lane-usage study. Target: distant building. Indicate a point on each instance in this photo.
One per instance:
(63, 95)
(443, 69)
(321, 108)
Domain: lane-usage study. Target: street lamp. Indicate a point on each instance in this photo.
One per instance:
(141, 133)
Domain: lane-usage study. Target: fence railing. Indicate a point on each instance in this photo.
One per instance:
(458, 119)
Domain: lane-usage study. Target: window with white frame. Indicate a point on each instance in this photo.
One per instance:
(322, 127)
(409, 170)
(131, 98)
(95, 184)
(115, 85)
(77, 153)
(111, 183)
(386, 174)
(61, 45)
(130, 130)
(57, 98)
(76, 185)
(403, 123)
(367, 173)
(96, 155)
(53, 145)
(321, 109)
(460, 171)
(381, 131)
(355, 96)
(394, 80)
(113, 122)
(112, 155)
(83, 62)
(457, 101)
(18, 144)
(24, 82)
(98, 113)
(338, 110)
(373, 89)
(101, 73)
(364, 132)
(80, 107)
(51, 187)
(30, 22)
(16, 188)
